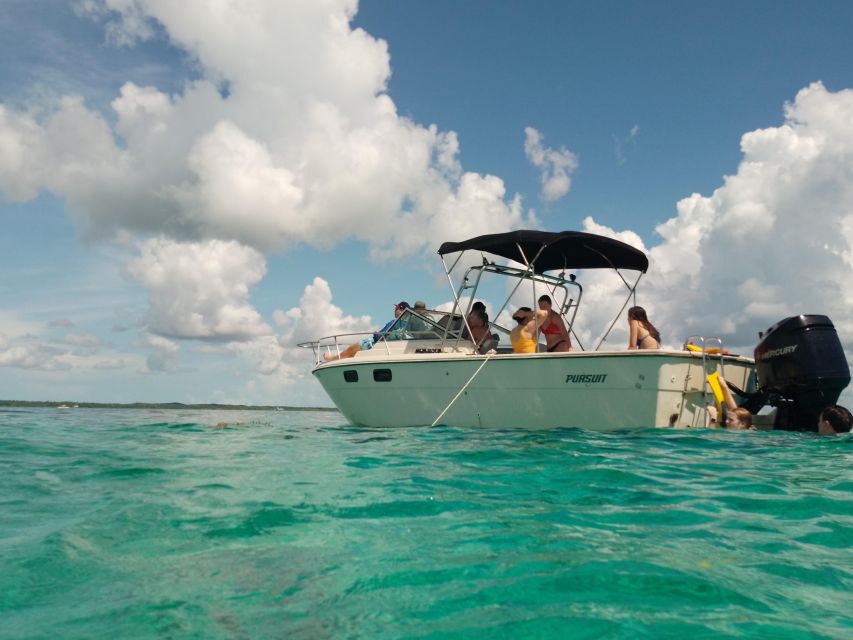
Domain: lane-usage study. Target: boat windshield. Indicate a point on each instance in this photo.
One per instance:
(431, 324)
(425, 325)
(436, 325)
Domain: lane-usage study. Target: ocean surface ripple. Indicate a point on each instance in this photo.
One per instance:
(203, 524)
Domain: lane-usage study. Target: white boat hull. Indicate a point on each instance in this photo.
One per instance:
(601, 391)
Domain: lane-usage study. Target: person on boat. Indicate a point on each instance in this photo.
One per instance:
(482, 317)
(523, 335)
(399, 308)
(367, 343)
(480, 308)
(416, 323)
(834, 420)
(643, 334)
(481, 335)
(557, 337)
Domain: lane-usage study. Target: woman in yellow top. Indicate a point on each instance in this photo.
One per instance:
(523, 336)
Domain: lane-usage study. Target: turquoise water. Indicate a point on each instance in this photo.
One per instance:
(126, 524)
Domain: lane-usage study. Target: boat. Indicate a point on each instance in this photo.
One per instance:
(425, 370)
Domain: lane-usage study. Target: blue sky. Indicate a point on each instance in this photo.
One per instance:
(187, 189)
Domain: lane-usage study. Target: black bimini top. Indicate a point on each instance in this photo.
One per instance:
(549, 251)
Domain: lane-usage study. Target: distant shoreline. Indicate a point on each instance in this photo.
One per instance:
(69, 404)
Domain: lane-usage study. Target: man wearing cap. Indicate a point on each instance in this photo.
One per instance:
(398, 310)
(385, 332)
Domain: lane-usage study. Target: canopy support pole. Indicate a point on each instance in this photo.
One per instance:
(632, 292)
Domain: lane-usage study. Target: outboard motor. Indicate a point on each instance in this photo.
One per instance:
(801, 368)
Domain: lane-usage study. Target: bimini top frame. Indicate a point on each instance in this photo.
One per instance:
(541, 251)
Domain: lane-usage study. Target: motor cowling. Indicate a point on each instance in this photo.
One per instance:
(801, 368)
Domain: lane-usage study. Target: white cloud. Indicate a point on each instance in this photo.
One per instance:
(317, 317)
(774, 240)
(78, 351)
(623, 145)
(277, 357)
(82, 344)
(287, 137)
(235, 175)
(40, 357)
(13, 325)
(110, 364)
(127, 25)
(284, 136)
(556, 165)
(19, 175)
(200, 290)
(85, 340)
(68, 149)
(161, 353)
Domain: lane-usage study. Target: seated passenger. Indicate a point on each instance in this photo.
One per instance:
(385, 332)
(367, 343)
(833, 420)
(417, 324)
(523, 335)
(554, 329)
(480, 333)
(643, 334)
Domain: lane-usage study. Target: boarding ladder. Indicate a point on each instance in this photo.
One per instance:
(711, 362)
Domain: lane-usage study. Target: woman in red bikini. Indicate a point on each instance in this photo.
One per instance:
(554, 329)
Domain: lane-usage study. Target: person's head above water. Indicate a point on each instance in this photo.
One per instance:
(834, 419)
(738, 419)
